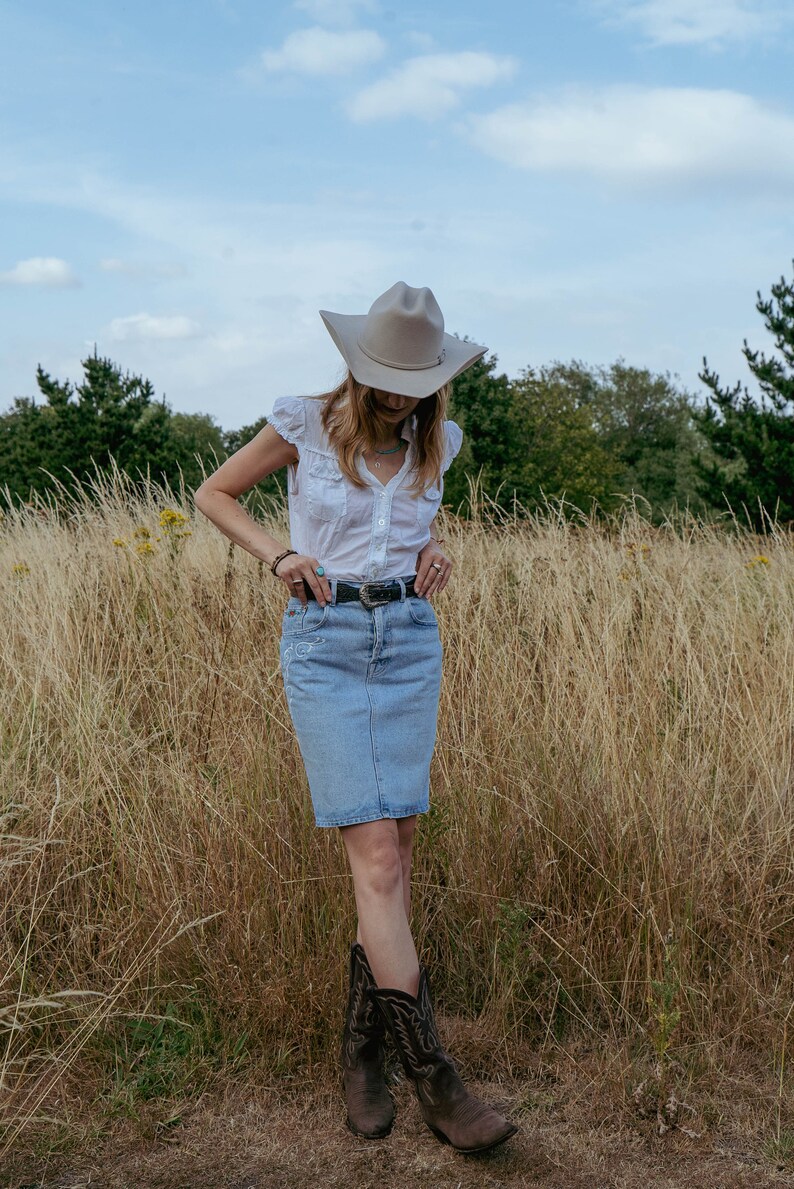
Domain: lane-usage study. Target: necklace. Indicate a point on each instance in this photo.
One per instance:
(402, 442)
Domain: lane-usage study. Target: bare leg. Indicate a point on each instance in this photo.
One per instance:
(406, 828)
(379, 865)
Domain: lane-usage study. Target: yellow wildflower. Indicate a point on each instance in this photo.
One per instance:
(144, 548)
(120, 542)
(758, 560)
(169, 519)
(21, 568)
(142, 533)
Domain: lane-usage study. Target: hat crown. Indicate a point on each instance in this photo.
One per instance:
(404, 329)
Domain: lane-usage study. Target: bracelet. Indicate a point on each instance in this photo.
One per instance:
(438, 540)
(281, 557)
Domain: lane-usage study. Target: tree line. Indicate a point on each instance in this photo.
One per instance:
(590, 437)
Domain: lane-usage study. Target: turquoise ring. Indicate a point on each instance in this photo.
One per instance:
(320, 571)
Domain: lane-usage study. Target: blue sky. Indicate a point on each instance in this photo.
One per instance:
(186, 185)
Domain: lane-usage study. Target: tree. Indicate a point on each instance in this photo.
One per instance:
(81, 428)
(752, 444)
(482, 405)
(112, 418)
(563, 455)
(648, 428)
(569, 430)
(196, 434)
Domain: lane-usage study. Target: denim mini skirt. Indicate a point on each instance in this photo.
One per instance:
(362, 688)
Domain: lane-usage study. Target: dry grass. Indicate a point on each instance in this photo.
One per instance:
(607, 863)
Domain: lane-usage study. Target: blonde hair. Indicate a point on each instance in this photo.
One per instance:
(351, 419)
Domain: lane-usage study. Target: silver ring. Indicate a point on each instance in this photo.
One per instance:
(436, 566)
(295, 581)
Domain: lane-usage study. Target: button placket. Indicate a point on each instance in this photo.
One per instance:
(382, 517)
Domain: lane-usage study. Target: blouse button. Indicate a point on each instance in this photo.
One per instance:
(381, 522)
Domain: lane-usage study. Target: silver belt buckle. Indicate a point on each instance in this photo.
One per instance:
(365, 593)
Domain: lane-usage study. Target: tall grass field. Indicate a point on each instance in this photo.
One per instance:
(607, 863)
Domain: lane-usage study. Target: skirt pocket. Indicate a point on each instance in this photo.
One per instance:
(421, 612)
(299, 619)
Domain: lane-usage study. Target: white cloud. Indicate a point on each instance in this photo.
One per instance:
(145, 326)
(656, 135)
(697, 22)
(335, 12)
(41, 270)
(428, 86)
(321, 51)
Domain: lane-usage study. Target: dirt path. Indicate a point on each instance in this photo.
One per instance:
(245, 1142)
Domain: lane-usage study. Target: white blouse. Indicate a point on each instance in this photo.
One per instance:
(358, 534)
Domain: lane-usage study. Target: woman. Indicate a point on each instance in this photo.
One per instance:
(361, 660)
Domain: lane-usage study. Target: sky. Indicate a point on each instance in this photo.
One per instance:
(184, 186)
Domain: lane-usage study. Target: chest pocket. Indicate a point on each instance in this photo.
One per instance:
(427, 504)
(325, 488)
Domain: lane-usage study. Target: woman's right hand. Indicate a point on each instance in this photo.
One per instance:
(296, 569)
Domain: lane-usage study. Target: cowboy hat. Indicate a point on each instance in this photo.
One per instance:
(400, 346)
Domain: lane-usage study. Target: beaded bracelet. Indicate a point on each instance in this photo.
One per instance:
(281, 557)
(438, 540)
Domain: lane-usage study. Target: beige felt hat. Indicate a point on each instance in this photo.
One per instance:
(400, 346)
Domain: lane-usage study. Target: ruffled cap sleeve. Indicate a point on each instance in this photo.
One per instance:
(454, 441)
(289, 419)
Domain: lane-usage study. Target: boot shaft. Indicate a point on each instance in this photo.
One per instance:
(370, 1111)
(413, 1027)
(364, 1030)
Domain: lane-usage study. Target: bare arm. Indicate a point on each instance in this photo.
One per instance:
(218, 495)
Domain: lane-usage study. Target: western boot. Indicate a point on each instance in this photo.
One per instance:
(453, 1114)
(370, 1111)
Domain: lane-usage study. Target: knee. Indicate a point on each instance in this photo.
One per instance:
(382, 867)
(406, 845)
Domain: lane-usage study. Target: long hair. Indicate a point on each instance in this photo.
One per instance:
(351, 419)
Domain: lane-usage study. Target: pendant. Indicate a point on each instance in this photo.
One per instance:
(377, 464)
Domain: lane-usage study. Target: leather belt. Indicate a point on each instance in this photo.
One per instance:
(371, 594)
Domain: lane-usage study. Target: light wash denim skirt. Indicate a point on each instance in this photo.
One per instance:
(362, 687)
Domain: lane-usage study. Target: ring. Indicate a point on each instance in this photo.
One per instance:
(295, 581)
(320, 571)
(436, 566)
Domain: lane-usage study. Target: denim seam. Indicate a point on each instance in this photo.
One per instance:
(355, 821)
(375, 762)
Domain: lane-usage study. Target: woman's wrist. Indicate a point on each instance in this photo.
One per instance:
(279, 557)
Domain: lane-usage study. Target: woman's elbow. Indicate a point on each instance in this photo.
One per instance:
(201, 496)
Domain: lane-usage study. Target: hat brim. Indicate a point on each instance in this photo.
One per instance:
(344, 329)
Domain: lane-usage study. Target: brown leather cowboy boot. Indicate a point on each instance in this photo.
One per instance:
(370, 1111)
(453, 1114)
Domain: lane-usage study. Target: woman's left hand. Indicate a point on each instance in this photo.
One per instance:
(433, 570)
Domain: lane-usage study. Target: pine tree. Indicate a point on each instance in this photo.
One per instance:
(752, 443)
(80, 429)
